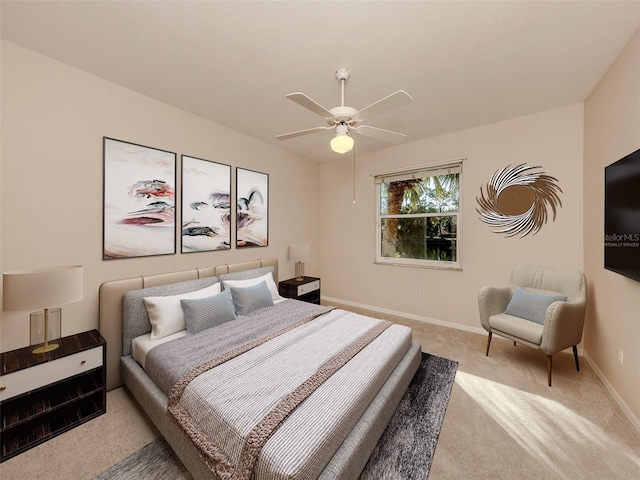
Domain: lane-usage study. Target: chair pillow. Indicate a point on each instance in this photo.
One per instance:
(165, 312)
(203, 313)
(531, 306)
(248, 299)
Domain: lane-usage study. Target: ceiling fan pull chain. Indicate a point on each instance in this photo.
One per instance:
(354, 174)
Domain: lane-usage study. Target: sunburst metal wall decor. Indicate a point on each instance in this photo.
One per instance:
(517, 199)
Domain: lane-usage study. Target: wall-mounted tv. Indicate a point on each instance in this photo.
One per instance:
(622, 216)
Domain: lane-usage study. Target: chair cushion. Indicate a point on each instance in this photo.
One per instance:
(517, 327)
(531, 305)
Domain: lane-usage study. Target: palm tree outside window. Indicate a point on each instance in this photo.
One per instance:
(418, 216)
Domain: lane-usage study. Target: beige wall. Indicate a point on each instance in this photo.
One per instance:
(552, 139)
(611, 130)
(53, 121)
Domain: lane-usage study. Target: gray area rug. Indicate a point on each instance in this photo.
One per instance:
(404, 452)
(407, 446)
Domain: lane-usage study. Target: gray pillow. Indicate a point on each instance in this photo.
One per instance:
(248, 299)
(531, 306)
(203, 313)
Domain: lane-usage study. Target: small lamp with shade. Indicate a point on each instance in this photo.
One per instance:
(300, 254)
(42, 288)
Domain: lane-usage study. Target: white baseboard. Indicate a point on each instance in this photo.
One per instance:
(411, 316)
(625, 408)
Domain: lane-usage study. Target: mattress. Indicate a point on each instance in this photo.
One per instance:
(142, 345)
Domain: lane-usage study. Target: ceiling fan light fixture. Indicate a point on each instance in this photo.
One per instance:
(342, 142)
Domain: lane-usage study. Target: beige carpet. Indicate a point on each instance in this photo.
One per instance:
(502, 422)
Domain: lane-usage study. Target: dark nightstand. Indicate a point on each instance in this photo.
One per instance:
(44, 395)
(307, 289)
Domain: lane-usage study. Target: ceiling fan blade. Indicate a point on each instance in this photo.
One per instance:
(395, 100)
(304, 101)
(380, 133)
(286, 136)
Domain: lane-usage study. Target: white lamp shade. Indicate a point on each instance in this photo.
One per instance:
(342, 143)
(34, 289)
(300, 253)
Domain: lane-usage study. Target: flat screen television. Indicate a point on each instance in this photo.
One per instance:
(622, 216)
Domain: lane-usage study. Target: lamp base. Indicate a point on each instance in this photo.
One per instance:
(46, 328)
(46, 348)
(299, 271)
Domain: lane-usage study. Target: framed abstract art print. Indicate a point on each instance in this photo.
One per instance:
(252, 208)
(206, 205)
(139, 200)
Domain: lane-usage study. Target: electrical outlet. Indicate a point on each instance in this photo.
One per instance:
(620, 356)
(418, 294)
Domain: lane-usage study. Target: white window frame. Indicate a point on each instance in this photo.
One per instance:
(412, 173)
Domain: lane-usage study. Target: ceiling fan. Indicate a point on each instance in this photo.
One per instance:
(347, 119)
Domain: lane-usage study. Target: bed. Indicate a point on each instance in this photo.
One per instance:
(283, 389)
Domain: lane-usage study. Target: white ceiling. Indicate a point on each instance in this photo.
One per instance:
(464, 63)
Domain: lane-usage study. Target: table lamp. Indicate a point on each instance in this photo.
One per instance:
(42, 288)
(299, 254)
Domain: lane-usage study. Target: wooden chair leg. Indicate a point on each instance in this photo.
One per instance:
(549, 368)
(488, 343)
(575, 356)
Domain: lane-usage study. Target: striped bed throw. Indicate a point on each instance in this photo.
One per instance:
(280, 405)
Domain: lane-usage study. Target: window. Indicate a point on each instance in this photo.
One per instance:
(418, 216)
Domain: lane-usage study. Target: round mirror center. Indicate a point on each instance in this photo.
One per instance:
(515, 200)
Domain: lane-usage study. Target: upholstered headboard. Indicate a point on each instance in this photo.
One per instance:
(112, 292)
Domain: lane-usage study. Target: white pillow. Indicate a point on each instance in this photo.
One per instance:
(250, 282)
(165, 313)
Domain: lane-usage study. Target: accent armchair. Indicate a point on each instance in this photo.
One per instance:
(542, 307)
